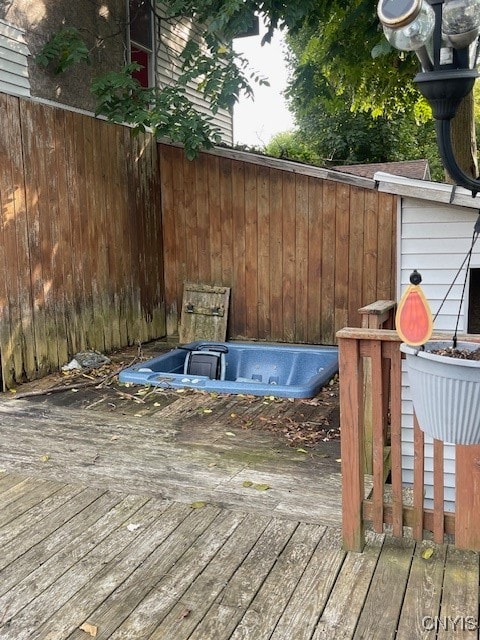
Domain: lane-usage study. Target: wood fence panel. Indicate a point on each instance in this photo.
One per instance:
(10, 137)
(300, 253)
(215, 230)
(343, 254)
(370, 249)
(314, 276)
(386, 258)
(251, 253)
(82, 309)
(275, 271)
(81, 245)
(289, 255)
(356, 257)
(203, 223)
(302, 257)
(226, 203)
(173, 304)
(237, 305)
(32, 158)
(328, 263)
(263, 283)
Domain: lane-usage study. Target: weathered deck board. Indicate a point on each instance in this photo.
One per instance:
(424, 592)
(313, 590)
(388, 586)
(345, 603)
(139, 567)
(190, 458)
(269, 603)
(206, 588)
(78, 513)
(168, 547)
(224, 616)
(459, 600)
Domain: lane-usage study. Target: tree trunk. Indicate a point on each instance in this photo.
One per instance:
(463, 138)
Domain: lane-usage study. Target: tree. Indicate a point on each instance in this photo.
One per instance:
(290, 146)
(331, 97)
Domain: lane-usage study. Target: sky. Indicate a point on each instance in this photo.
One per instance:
(256, 121)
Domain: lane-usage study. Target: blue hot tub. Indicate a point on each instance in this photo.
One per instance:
(261, 369)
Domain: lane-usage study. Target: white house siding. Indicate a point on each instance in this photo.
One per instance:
(13, 61)
(172, 40)
(435, 239)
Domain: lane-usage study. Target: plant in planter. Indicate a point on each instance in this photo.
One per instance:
(444, 380)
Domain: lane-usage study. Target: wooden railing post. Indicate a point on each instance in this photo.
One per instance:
(467, 496)
(378, 315)
(351, 420)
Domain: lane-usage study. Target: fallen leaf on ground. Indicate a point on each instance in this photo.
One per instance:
(247, 483)
(261, 487)
(300, 450)
(207, 411)
(229, 433)
(427, 553)
(91, 629)
(198, 505)
(45, 458)
(184, 614)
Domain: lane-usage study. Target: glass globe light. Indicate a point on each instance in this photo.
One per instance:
(461, 21)
(415, 34)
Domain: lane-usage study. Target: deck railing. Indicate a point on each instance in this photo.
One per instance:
(388, 503)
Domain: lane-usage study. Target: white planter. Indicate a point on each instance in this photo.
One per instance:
(445, 392)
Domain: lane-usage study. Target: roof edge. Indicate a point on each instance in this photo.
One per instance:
(426, 190)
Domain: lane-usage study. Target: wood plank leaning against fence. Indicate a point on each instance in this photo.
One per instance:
(81, 263)
(388, 503)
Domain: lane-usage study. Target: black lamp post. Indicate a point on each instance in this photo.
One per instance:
(445, 36)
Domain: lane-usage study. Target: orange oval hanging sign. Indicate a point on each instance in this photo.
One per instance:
(413, 319)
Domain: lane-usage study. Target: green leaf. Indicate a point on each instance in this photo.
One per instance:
(65, 49)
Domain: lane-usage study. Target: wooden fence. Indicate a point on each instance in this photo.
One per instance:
(301, 253)
(388, 502)
(81, 262)
(99, 231)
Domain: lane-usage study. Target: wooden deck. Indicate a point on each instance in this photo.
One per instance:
(168, 519)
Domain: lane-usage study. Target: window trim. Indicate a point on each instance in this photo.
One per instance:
(151, 69)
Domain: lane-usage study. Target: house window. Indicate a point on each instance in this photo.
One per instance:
(141, 40)
(474, 302)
